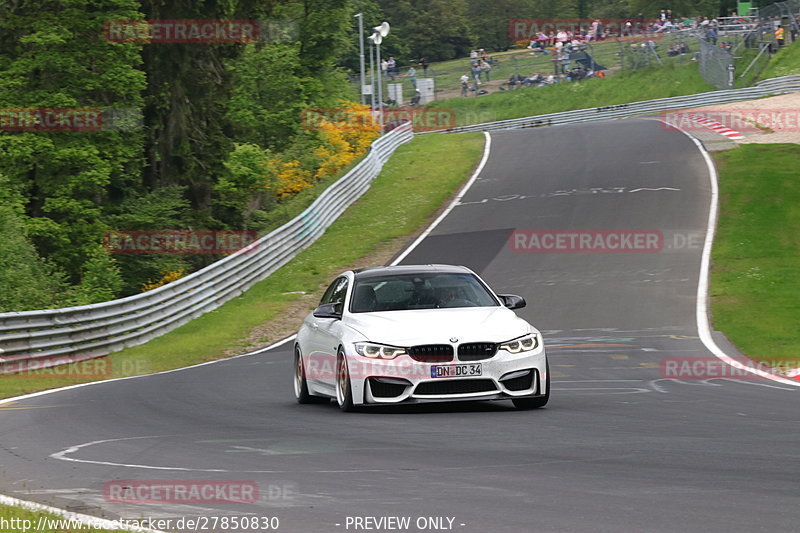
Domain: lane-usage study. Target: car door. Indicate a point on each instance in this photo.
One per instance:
(324, 337)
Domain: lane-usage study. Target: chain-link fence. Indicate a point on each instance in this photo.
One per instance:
(716, 64)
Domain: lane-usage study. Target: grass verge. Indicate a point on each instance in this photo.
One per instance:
(755, 278)
(413, 185)
(22, 520)
(785, 62)
(628, 86)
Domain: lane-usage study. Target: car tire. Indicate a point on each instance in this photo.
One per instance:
(300, 383)
(538, 401)
(344, 391)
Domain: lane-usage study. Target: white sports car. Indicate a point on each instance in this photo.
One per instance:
(403, 334)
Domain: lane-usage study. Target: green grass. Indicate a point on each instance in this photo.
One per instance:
(415, 182)
(755, 277)
(785, 62)
(55, 524)
(628, 86)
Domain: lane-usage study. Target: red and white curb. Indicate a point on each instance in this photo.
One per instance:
(793, 374)
(717, 127)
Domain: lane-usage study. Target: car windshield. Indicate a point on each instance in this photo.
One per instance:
(430, 290)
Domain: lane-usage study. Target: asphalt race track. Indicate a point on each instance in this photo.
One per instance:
(620, 448)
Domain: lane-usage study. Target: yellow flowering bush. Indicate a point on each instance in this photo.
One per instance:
(167, 276)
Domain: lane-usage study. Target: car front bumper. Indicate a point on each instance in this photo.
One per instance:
(505, 376)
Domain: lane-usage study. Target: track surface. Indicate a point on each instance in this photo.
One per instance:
(618, 448)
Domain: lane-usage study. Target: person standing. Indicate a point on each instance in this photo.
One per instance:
(423, 61)
(464, 84)
(780, 35)
(384, 68)
(486, 68)
(476, 73)
(391, 65)
(412, 75)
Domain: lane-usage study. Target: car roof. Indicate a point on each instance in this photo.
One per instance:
(370, 272)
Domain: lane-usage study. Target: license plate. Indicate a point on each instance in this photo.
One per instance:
(455, 371)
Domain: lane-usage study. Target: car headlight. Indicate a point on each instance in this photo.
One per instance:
(525, 343)
(378, 351)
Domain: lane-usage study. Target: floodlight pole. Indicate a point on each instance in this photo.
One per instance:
(371, 79)
(380, 85)
(360, 17)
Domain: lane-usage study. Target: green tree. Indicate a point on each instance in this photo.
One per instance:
(26, 280)
(53, 55)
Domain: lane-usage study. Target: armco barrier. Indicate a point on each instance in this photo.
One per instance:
(786, 84)
(38, 339)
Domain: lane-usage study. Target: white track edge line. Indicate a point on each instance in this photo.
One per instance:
(89, 383)
(92, 522)
(486, 150)
(703, 326)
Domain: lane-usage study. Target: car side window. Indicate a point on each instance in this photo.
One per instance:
(335, 292)
(339, 291)
(326, 298)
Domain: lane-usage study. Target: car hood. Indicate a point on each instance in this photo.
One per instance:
(438, 326)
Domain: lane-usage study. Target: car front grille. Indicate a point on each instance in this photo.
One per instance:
(431, 353)
(384, 389)
(476, 351)
(519, 383)
(455, 386)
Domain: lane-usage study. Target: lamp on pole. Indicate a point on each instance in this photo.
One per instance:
(377, 37)
(360, 17)
(371, 40)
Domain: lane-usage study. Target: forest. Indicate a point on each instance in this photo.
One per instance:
(103, 133)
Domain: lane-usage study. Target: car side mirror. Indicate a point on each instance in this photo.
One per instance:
(329, 311)
(512, 301)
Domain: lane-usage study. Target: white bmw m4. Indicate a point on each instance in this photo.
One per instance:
(407, 334)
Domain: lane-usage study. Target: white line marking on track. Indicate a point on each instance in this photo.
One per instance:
(703, 326)
(486, 151)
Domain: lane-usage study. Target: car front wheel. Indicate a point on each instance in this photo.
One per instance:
(344, 392)
(537, 402)
(300, 383)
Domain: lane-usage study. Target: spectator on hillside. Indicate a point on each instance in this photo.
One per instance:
(486, 68)
(464, 84)
(391, 65)
(384, 68)
(423, 61)
(473, 54)
(412, 75)
(627, 29)
(542, 40)
(476, 73)
(711, 35)
(780, 35)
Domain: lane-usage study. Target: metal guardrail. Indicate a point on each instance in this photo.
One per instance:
(44, 338)
(774, 86)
